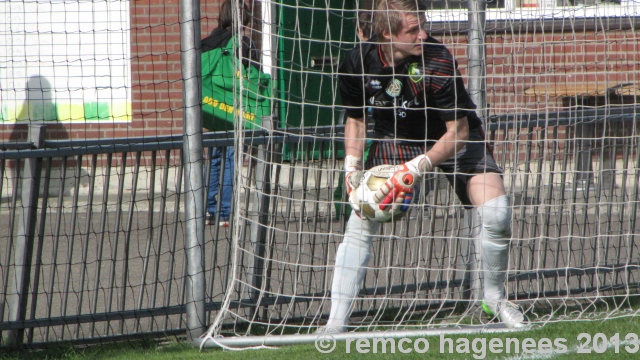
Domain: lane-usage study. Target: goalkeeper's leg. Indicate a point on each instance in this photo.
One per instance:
(496, 235)
(352, 258)
(485, 190)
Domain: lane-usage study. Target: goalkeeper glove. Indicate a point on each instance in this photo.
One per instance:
(420, 164)
(398, 190)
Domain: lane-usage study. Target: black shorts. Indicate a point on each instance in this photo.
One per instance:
(475, 158)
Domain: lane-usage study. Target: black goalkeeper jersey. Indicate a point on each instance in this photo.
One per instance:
(411, 100)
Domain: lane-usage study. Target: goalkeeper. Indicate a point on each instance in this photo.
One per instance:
(423, 118)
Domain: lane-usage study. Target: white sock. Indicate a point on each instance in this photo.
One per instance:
(352, 258)
(495, 260)
(496, 236)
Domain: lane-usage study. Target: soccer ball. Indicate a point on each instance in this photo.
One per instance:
(373, 179)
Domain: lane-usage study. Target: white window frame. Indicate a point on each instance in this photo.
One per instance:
(629, 8)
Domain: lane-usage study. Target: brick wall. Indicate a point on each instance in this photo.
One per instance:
(532, 71)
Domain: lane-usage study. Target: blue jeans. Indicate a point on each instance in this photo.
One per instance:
(227, 182)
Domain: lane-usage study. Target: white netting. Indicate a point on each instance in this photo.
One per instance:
(562, 85)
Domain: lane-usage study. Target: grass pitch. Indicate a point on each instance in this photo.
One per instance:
(614, 339)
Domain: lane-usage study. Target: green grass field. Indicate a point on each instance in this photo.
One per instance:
(553, 331)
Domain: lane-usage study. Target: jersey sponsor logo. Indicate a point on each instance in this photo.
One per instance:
(394, 88)
(406, 104)
(375, 84)
(373, 101)
(415, 72)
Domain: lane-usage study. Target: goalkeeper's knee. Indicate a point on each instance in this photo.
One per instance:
(496, 220)
(355, 250)
(360, 232)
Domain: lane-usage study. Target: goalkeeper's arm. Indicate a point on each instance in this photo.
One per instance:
(450, 143)
(354, 137)
(354, 142)
(447, 146)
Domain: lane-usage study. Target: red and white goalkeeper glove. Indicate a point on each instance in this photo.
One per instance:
(352, 178)
(398, 190)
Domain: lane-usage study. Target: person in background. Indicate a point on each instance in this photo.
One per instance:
(219, 37)
(364, 25)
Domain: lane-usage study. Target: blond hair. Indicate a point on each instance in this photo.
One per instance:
(388, 14)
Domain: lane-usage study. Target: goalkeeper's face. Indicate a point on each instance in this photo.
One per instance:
(408, 40)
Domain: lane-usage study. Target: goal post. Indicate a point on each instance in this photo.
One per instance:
(559, 95)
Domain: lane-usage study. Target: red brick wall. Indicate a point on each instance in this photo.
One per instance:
(155, 68)
(550, 61)
(527, 71)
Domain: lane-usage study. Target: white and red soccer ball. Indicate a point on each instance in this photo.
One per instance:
(366, 195)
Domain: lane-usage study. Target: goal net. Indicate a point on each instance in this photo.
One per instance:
(557, 84)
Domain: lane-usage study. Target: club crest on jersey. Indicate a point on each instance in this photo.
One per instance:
(394, 88)
(415, 73)
(375, 85)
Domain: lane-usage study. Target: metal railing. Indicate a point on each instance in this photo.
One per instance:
(92, 239)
